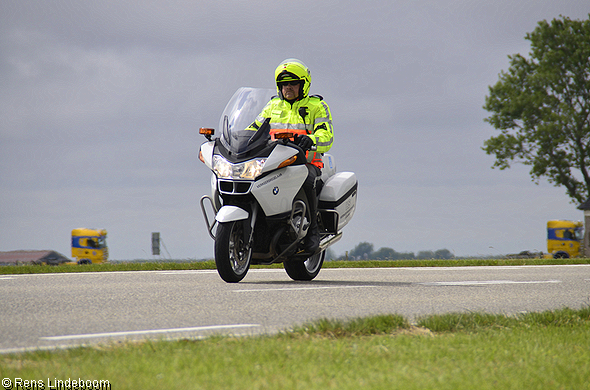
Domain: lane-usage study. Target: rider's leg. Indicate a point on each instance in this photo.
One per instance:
(311, 187)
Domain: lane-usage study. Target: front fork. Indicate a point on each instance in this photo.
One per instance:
(253, 217)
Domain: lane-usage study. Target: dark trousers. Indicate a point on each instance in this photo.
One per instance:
(312, 187)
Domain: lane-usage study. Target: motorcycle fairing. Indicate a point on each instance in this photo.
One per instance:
(275, 192)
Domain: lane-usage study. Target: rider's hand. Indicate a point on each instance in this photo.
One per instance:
(305, 142)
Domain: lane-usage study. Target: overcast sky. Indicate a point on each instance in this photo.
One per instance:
(101, 101)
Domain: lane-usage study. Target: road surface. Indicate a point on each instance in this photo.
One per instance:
(55, 310)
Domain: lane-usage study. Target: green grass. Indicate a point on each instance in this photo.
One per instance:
(108, 267)
(548, 350)
(210, 264)
(475, 321)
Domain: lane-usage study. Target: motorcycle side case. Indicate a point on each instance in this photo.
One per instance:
(337, 201)
(329, 168)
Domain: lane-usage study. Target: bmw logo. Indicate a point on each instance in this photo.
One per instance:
(275, 190)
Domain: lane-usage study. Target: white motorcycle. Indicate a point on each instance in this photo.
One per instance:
(261, 213)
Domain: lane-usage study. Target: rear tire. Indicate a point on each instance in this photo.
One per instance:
(305, 270)
(232, 259)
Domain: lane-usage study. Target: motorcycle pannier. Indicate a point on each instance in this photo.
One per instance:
(337, 201)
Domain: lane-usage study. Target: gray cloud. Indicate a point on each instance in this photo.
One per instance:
(100, 103)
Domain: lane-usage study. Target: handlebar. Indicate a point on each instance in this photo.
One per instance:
(301, 153)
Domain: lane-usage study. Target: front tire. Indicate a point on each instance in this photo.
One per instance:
(305, 270)
(232, 256)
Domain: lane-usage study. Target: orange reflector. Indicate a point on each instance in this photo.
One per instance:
(201, 157)
(284, 135)
(206, 131)
(288, 162)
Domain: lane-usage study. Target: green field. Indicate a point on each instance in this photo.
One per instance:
(140, 265)
(549, 350)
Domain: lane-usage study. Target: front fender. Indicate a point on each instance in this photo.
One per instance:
(231, 213)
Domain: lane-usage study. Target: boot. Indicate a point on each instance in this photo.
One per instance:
(312, 240)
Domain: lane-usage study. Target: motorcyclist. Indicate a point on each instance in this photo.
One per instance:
(309, 116)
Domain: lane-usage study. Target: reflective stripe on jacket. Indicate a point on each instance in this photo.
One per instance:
(310, 115)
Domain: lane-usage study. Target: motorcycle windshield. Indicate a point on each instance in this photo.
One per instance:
(239, 113)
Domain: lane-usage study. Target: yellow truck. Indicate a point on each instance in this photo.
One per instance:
(89, 246)
(564, 238)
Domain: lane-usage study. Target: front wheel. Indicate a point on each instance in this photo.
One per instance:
(305, 270)
(232, 255)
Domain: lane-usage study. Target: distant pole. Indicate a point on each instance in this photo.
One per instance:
(156, 244)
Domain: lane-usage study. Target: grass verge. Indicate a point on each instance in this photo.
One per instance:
(548, 350)
(210, 264)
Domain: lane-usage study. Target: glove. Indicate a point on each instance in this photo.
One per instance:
(305, 142)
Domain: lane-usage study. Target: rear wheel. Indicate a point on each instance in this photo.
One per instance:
(232, 257)
(305, 270)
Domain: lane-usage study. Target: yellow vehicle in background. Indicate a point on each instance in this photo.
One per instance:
(89, 246)
(564, 239)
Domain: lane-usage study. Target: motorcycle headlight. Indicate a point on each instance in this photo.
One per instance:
(248, 170)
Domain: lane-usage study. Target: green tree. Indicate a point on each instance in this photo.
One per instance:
(406, 256)
(385, 254)
(443, 254)
(424, 255)
(541, 105)
(362, 251)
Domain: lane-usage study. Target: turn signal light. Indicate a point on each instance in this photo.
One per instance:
(288, 162)
(206, 131)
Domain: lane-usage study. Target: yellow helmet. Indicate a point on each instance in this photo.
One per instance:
(292, 70)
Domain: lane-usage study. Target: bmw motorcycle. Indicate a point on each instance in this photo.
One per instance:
(257, 211)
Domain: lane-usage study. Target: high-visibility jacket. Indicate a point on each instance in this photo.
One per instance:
(310, 115)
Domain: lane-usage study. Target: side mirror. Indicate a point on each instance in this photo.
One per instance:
(207, 132)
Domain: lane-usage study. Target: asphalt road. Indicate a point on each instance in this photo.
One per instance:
(53, 310)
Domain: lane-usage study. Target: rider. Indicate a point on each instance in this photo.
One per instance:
(308, 116)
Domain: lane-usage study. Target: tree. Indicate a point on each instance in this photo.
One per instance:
(542, 107)
(423, 255)
(385, 254)
(362, 251)
(443, 254)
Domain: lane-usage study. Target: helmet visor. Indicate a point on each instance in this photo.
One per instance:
(287, 76)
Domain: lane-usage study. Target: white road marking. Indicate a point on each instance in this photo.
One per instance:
(7, 278)
(487, 282)
(187, 272)
(145, 332)
(299, 288)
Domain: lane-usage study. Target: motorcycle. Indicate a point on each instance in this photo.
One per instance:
(257, 212)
